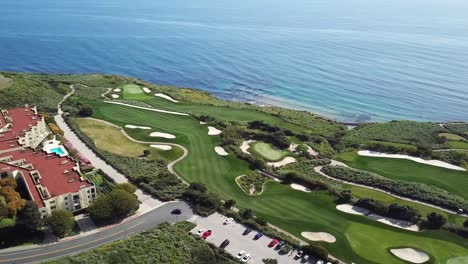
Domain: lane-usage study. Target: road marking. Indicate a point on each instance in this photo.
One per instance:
(64, 249)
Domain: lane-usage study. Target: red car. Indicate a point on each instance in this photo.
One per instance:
(273, 243)
(206, 234)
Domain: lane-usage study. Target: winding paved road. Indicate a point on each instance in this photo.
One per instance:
(73, 246)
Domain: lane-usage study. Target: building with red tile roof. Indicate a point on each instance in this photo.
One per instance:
(53, 182)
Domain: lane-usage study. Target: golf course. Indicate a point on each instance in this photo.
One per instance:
(358, 239)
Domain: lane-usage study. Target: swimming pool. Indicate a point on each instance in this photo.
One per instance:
(59, 151)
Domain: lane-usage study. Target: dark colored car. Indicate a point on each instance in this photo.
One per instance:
(247, 231)
(258, 235)
(280, 244)
(225, 243)
(176, 211)
(273, 243)
(206, 234)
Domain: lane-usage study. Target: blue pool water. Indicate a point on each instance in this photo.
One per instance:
(58, 150)
(355, 60)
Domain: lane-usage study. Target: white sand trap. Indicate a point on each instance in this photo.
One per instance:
(213, 131)
(311, 151)
(410, 254)
(115, 95)
(163, 135)
(300, 187)
(246, 145)
(350, 209)
(163, 147)
(282, 162)
(319, 236)
(437, 163)
(146, 90)
(221, 151)
(355, 210)
(394, 222)
(293, 147)
(117, 90)
(202, 123)
(165, 96)
(139, 127)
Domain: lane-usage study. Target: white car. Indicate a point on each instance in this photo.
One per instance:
(246, 258)
(201, 231)
(240, 254)
(320, 262)
(228, 220)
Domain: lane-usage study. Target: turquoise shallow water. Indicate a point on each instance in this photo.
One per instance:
(356, 60)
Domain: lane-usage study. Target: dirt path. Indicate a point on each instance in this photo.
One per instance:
(318, 170)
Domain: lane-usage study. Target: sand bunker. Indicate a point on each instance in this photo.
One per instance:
(350, 209)
(163, 147)
(221, 151)
(319, 236)
(410, 254)
(300, 187)
(436, 163)
(246, 145)
(202, 123)
(213, 131)
(163, 135)
(165, 96)
(282, 162)
(115, 95)
(293, 147)
(140, 127)
(311, 151)
(117, 90)
(146, 90)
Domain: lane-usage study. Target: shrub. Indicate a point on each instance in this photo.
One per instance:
(55, 129)
(465, 224)
(435, 220)
(126, 187)
(30, 216)
(113, 206)
(403, 212)
(316, 250)
(61, 222)
(270, 261)
(285, 249)
(204, 203)
(247, 213)
(229, 203)
(372, 205)
(11, 182)
(85, 111)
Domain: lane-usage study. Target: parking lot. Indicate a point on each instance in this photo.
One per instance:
(258, 249)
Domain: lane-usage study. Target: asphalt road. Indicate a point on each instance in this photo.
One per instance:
(37, 254)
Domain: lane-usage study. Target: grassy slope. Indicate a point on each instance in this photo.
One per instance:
(294, 211)
(458, 144)
(451, 136)
(268, 151)
(111, 139)
(453, 181)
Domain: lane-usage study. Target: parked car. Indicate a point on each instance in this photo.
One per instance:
(273, 243)
(299, 254)
(246, 258)
(206, 234)
(176, 211)
(228, 220)
(247, 231)
(201, 231)
(320, 262)
(225, 243)
(305, 258)
(241, 254)
(280, 244)
(258, 235)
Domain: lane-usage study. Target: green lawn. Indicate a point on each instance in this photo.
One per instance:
(453, 181)
(268, 151)
(132, 89)
(451, 136)
(292, 210)
(458, 144)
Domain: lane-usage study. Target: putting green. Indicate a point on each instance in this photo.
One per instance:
(268, 152)
(291, 210)
(132, 89)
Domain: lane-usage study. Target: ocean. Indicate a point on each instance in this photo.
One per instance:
(351, 60)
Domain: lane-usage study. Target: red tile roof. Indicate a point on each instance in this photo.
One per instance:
(23, 118)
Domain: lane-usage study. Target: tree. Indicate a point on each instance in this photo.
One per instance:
(404, 212)
(229, 203)
(146, 152)
(435, 220)
(114, 206)
(61, 222)
(247, 213)
(9, 182)
(198, 187)
(101, 208)
(285, 249)
(316, 250)
(345, 196)
(270, 261)
(126, 187)
(30, 216)
(85, 111)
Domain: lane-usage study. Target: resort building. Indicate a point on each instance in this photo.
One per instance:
(52, 179)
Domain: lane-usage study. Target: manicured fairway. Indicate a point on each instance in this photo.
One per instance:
(453, 181)
(292, 210)
(267, 151)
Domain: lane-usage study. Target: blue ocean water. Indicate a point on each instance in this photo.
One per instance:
(353, 60)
